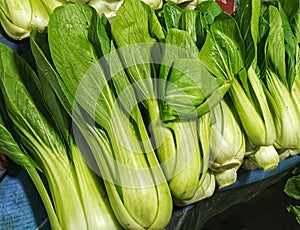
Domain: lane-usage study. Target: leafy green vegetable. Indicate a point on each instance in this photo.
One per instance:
(188, 22)
(96, 207)
(148, 94)
(286, 115)
(292, 10)
(187, 76)
(224, 55)
(291, 188)
(185, 132)
(223, 51)
(130, 113)
(264, 157)
(39, 137)
(13, 150)
(180, 73)
(87, 82)
(278, 54)
(209, 10)
(249, 10)
(191, 90)
(171, 15)
(296, 210)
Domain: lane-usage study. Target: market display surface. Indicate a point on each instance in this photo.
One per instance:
(131, 117)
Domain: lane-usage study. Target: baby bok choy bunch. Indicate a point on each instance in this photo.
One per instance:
(91, 81)
(228, 53)
(279, 66)
(195, 23)
(223, 42)
(186, 98)
(226, 59)
(174, 88)
(265, 155)
(292, 11)
(32, 136)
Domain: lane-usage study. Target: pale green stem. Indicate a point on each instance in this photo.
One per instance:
(35, 177)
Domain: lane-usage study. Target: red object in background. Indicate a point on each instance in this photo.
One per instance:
(3, 162)
(226, 5)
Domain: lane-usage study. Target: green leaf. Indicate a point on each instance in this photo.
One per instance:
(41, 52)
(189, 22)
(223, 51)
(172, 13)
(136, 33)
(208, 10)
(31, 124)
(11, 148)
(103, 33)
(292, 187)
(275, 48)
(296, 211)
(189, 86)
(286, 44)
(290, 48)
(263, 28)
(292, 10)
(50, 88)
(179, 44)
(78, 64)
(249, 11)
(146, 29)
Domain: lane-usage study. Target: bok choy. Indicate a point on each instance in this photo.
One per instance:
(280, 69)
(224, 55)
(133, 178)
(133, 110)
(43, 148)
(248, 12)
(173, 96)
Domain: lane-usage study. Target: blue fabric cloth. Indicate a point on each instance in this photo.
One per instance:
(20, 204)
(248, 177)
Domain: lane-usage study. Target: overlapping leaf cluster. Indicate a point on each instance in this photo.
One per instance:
(151, 110)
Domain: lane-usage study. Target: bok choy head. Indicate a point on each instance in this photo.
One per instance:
(35, 130)
(280, 68)
(224, 55)
(138, 191)
(95, 204)
(171, 84)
